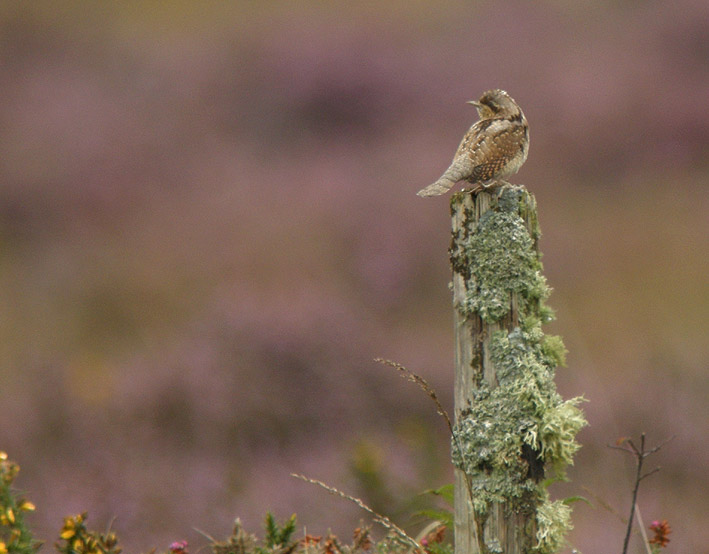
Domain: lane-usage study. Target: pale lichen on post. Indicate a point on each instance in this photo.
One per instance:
(499, 259)
(511, 424)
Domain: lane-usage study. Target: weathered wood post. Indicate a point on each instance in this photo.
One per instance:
(509, 420)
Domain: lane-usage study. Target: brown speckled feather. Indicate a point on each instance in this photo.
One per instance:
(493, 148)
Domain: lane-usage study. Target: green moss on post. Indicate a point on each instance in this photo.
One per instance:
(511, 424)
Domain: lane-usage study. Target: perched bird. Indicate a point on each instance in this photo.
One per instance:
(492, 149)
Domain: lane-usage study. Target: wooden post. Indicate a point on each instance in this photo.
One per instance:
(483, 526)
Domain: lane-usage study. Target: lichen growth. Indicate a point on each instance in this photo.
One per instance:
(557, 434)
(494, 547)
(518, 425)
(523, 409)
(498, 259)
(553, 347)
(553, 523)
(486, 445)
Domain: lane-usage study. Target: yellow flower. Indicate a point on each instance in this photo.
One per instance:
(70, 525)
(26, 505)
(3, 457)
(69, 529)
(3, 548)
(8, 470)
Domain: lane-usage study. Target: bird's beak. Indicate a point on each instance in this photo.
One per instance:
(474, 103)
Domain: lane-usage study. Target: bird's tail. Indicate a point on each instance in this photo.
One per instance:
(441, 186)
(457, 171)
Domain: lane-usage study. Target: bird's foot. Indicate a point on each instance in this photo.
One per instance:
(490, 186)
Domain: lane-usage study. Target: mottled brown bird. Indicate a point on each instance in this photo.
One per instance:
(493, 148)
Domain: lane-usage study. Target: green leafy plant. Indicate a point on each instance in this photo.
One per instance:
(15, 536)
(440, 515)
(278, 537)
(77, 539)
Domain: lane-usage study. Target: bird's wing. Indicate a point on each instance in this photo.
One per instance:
(491, 144)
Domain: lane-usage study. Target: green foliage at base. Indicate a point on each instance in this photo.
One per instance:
(279, 538)
(76, 538)
(15, 537)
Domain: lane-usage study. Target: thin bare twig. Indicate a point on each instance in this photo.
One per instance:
(429, 390)
(421, 382)
(640, 454)
(658, 468)
(380, 519)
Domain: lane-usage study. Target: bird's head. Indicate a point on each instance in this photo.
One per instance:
(496, 103)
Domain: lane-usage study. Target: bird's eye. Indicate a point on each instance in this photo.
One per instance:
(492, 105)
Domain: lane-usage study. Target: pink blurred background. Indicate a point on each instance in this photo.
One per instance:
(209, 229)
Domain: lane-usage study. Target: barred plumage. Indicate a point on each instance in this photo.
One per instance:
(492, 149)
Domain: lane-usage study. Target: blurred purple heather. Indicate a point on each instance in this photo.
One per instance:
(209, 229)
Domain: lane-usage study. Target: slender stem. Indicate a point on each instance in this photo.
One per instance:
(642, 531)
(640, 456)
(627, 445)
